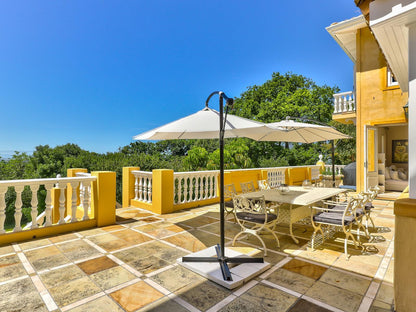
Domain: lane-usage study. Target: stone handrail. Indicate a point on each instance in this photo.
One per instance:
(48, 184)
(344, 102)
(194, 186)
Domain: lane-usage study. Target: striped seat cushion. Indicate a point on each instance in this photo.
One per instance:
(256, 217)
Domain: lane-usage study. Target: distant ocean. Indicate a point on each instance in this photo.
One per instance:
(9, 154)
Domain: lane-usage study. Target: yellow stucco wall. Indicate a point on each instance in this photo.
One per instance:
(376, 103)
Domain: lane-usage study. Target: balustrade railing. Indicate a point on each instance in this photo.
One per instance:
(33, 188)
(338, 169)
(344, 102)
(194, 186)
(143, 186)
(276, 176)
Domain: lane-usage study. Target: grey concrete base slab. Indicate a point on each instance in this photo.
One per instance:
(241, 273)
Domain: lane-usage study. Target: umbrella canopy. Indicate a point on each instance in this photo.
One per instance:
(204, 124)
(293, 131)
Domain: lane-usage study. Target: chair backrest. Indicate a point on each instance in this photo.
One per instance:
(229, 190)
(353, 204)
(263, 185)
(255, 205)
(247, 187)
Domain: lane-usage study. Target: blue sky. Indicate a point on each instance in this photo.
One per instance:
(96, 73)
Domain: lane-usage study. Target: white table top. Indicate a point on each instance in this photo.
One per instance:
(297, 195)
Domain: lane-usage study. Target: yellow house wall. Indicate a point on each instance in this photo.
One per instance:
(376, 103)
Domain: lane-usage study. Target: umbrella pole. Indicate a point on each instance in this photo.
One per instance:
(333, 164)
(220, 248)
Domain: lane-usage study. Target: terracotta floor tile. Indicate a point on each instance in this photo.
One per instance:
(176, 278)
(96, 265)
(198, 221)
(35, 243)
(72, 291)
(187, 241)
(203, 295)
(131, 236)
(385, 293)
(149, 264)
(291, 280)
(135, 296)
(45, 258)
(6, 250)
(11, 267)
(109, 242)
(242, 305)
(101, 304)
(111, 228)
(302, 306)
(164, 304)
(337, 297)
(78, 250)
(269, 298)
(346, 281)
(61, 276)
(62, 238)
(21, 295)
(111, 277)
(305, 268)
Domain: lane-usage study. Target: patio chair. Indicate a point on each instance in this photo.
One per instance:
(263, 185)
(247, 187)
(253, 217)
(339, 216)
(369, 196)
(229, 192)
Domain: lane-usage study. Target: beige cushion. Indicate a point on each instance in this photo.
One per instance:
(402, 175)
(394, 175)
(387, 173)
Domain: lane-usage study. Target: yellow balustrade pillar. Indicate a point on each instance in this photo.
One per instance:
(128, 185)
(103, 197)
(162, 191)
(71, 173)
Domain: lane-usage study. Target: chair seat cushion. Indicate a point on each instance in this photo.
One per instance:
(332, 218)
(229, 204)
(256, 217)
(368, 206)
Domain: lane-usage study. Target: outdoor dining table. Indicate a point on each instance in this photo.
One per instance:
(298, 200)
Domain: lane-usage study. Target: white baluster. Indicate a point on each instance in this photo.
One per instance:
(206, 190)
(62, 187)
(140, 189)
(149, 191)
(74, 186)
(350, 101)
(18, 207)
(85, 201)
(335, 105)
(48, 204)
(179, 190)
(3, 191)
(34, 211)
(136, 188)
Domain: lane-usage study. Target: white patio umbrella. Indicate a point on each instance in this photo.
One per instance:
(293, 131)
(209, 124)
(203, 124)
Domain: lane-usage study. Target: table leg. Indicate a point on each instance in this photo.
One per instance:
(291, 221)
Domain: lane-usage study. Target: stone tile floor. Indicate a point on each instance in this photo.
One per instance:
(131, 266)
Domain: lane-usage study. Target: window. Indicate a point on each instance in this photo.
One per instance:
(391, 80)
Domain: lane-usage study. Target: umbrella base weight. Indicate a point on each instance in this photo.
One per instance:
(231, 271)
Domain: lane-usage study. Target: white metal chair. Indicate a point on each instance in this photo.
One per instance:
(229, 192)
(369, 196)
(263, 185)
(343, 216)
(254, 217)
(247, 187)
